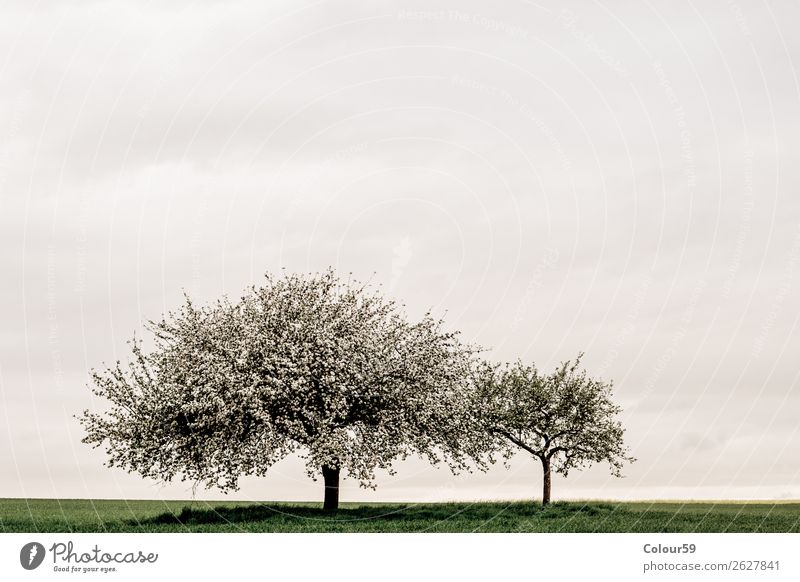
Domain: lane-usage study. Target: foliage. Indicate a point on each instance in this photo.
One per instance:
(567, 419)
(308, 364)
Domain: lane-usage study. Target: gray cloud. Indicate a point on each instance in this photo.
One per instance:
(614, 179)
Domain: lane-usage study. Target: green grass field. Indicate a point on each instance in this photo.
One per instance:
(70, 515)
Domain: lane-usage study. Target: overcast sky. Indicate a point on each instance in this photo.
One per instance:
(619, 178)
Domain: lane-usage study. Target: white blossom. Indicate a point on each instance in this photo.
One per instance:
(306, 364)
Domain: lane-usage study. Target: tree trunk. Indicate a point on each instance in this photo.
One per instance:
(546, 480)
(331, 477)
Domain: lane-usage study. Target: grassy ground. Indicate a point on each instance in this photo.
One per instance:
(70, 515)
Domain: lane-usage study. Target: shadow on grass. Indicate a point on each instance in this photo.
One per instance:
(409, 515)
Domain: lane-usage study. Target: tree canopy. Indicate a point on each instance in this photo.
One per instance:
(313, 364)
(566, 419)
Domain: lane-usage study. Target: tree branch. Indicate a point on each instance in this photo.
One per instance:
(517, 441)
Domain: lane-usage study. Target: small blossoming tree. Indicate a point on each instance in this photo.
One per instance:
(566, 419)
(303, 364)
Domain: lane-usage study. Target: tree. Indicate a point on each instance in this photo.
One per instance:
(308, 364)
(566, 419)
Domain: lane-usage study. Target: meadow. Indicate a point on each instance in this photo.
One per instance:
(86, 515)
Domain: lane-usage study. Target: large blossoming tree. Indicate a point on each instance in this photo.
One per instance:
(566, 419)
(312, 365)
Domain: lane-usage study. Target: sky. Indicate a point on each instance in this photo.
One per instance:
(615, 178)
